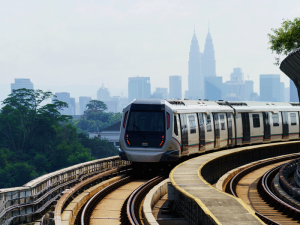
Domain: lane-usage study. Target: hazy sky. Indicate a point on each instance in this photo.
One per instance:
(74, 43)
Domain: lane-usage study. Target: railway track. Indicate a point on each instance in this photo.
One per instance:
(118, 203)
(254, 186)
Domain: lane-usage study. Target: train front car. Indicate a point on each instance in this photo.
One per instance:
(146, 132)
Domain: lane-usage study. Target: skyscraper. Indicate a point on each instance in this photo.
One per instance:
(195, 78)
(103, 94)
(293, 92)
(21, 83)
(65, 97)
(282, 93)
(175, 87)
(208, 58)
(270, 87)
(213, 88)
(139, 88)
(236, 86)
(83, 101)
(248, 89)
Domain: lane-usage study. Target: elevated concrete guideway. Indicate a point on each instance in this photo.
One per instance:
(291, 67)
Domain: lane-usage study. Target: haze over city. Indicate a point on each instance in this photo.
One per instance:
(76, 46)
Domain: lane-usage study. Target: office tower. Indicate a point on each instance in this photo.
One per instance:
(270, 87)
(208, 61)
(248, 89)
(175, 87)
(213, 88)
(72, 107)
(293, 92)
(21, 83)
(103, 94)
(287, 94)
(160, 93)
(195, 78)
(123, 103)
(236, 86)
(83, 101)
(64, 97)
(139, 88)
(281, 96)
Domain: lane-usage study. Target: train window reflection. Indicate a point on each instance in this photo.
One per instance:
(256, 122)
(175, 126)
(293, 119)
(275, 120)
(146, 121)
(192, 124)
(208, 123)
(222, 121)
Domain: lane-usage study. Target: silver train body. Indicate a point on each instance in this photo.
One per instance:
(166, 130)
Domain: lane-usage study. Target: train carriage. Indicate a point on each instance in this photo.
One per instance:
(156, 130)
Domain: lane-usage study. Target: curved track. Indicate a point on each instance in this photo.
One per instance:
(253, 185)
(118, 203)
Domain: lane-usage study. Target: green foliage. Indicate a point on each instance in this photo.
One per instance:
(94, 119)
(286, 38)
(35, 138)
(99, 148)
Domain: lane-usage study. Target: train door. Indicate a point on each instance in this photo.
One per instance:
(285, 126)
(201, 129)
(223, 130)
(267, 126)
(184, 134)
(293, 126)
(276, 127)
(193, 133)
(239, 129)
(246, 128)
(256, 127)
(177, 133)
(217, 130)
(230, 131)
(209, 135)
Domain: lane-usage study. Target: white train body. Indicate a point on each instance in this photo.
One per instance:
(155, 130)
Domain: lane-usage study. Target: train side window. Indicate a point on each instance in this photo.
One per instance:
(175, 126)
(208, 123)
(256, 122)
(293, 119)
(275, 120)
(192, 124)
(222, 122)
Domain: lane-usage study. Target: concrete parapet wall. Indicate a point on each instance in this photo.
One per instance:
(151, 199)
(202, 203)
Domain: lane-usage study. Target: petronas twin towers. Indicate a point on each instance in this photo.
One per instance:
(201, 66)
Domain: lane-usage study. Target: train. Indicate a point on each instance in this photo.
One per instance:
(155, 130)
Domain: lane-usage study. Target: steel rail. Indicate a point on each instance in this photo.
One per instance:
(136, 198)
(263, 183)
(84, 218)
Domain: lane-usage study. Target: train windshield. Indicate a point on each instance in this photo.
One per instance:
(146, 121)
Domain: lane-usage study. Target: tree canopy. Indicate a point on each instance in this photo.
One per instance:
(285, 39)
(96, 105)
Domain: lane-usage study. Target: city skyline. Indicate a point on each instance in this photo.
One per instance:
(84, 41)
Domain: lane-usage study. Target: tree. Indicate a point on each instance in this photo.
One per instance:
(96, 105)
(285, 39)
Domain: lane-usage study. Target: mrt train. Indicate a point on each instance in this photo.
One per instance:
(156, 130)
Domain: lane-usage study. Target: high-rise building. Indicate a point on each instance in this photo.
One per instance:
(72, 107)
(208, 61)
(287, 94)
(103, 94)
(270, 87)
(21, 83)
(160, 93)
(83, 101)
(64, 97)
(195, 78)
(293, 92)
(139, 88)
(282, 93)
(213, 88)
(248, 89)
(175, 87)
(236, 86)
